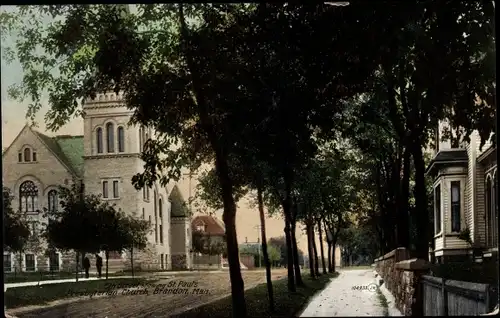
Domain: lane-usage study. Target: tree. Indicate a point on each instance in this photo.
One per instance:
(133, 235)
(77, 225)
(17, 234)
(203, 244)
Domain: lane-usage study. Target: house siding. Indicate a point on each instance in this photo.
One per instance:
(469, 188)
(480, 216)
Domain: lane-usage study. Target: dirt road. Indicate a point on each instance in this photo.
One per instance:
(176, 295)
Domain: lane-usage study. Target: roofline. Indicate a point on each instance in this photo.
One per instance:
(443, 162)
(491, 149)
(70, 170)
(13, 141)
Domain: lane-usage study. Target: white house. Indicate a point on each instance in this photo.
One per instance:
(465, 196)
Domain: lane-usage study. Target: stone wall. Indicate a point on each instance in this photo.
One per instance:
(402, 277)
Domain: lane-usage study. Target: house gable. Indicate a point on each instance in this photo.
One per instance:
(48, 168)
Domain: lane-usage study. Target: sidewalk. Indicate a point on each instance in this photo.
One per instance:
(58, 281)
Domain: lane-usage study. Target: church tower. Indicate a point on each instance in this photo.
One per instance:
(112, 149)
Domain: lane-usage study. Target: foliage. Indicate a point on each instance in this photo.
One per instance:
(16, 231)
(280, 244)
(203, 243)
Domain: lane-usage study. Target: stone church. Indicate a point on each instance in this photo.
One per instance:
(104, 159)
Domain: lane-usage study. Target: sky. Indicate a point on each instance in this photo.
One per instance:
(14, 118)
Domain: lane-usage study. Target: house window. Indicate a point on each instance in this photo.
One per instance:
(455, 206)
(105, 189)
(99, 140)
(20, 157)
(110, 137)
(143, 214)
(161, 261)
(53, 204)
(27, 154)
(437, 208)
(30, 262)
(147, 193)
(155, 205)
(121, 139)
(201, 228)
(28, 197)
(161, 233)
(156, 233)
(115, 189)
(7, 263)
(149, 218)
(34, 156)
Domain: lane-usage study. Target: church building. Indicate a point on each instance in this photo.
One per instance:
(104, 159)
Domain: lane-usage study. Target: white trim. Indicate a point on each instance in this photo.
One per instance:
(441, 207)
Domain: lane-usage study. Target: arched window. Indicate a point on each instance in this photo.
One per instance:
(111, 137)
(28, 197)
(99, 140)
(160, 208)
(495, 207)
(121, 139)
(53, 204)
(27, 154)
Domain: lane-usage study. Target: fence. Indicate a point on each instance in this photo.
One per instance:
(456, 298)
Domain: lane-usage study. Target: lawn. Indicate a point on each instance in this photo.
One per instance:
(286, 304)
(42, 294)
(21, 277)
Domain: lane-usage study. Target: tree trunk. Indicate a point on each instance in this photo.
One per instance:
(310, 250)
(316, 258)
(329, 251)
(296, 263)
(421, 245)
(334, 243)
(264, 249)
(233, 258)
(106, 253)
(403, 225)
(321, 247)
(288, 238)
(77, 257)
(229, 214)
(131, 260)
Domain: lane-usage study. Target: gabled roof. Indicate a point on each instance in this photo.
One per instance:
(179, 208)
(448, 157)
(213, 225)
(67, 149)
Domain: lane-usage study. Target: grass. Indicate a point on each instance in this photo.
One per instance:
(286, 304)
(42, 294)
(357, 267)
(383, 302)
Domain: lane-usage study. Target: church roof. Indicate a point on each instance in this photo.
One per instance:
(68, 149)
(179, 208)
